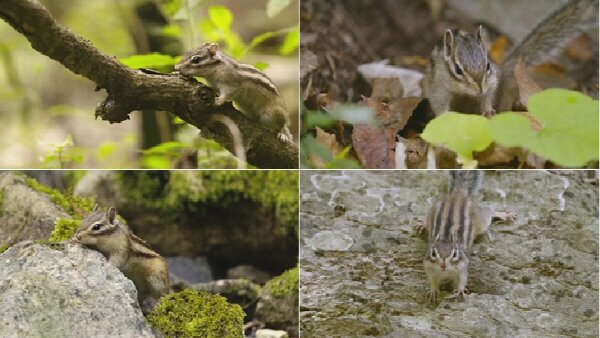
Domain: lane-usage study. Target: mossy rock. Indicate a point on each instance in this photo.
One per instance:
(284, 285)
(278, 304)
(191, 314)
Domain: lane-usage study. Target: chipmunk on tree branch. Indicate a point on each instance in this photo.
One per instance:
(148, 271)
(249, 88)
(461, 77)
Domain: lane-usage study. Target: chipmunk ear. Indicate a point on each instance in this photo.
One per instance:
(448, 44)
(111, 214)
(95, 207)
(212, 49)
(479, 36)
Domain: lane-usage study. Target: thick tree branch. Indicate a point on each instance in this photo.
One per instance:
(130, 90)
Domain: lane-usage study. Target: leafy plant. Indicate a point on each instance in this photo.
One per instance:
(561, 126)
(64, 154)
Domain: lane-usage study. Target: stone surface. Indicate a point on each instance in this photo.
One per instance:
(538, 277)
(190, 269)
(25, 214)
(66, 291)
(237, 291)
(266, 333)
(249, 272)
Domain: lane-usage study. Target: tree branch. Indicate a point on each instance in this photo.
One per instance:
(130, 90)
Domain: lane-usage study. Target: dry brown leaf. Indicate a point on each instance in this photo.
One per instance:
(372, 147)
(328, 141)
(386, 89)
(416, 153)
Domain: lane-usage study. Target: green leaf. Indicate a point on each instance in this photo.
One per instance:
(261, 65)
(461, 133)
(569, 127)
(221, 16)
(291, 41)
(106, 149)
(172, 31)
(261, 38)
(153, 60)
(275, 7)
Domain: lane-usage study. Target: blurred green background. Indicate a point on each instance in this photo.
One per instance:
(47, 112)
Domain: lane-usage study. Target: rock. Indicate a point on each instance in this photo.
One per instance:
(278, 304)
(101, 185)
(190, 269)
(267, 333)
(249, 272)
(537, 278)
(25, 214)
(66, 291)
(330, 241)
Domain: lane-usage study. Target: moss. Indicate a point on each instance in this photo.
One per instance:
(191, 313)
(284, 285)
(75, 206)
(185, 190)
(4, 247)
(64, 229)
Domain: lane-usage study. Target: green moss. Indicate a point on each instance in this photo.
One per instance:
(191, 313)
(4, 247)
(75, 206)
(284, 285)
(186, 190)
(64, 229)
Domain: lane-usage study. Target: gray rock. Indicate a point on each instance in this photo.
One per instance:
(66, 291)
(249, 272)
(190, 269)
(537, 278)
(238, 291)
(330, 241)
(267, 333)
(25, 214)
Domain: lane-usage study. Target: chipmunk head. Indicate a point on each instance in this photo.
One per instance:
(97, 226)
(445, 255)
(200, 61)
(467, 60)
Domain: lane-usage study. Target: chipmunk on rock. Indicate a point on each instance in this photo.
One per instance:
(249, 88)
(461, 77)
(147, 270)
(452, 224)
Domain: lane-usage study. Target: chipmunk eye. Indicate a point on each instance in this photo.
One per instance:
(96, 226)
(487, 67)
(457, 69)
(455, 254)
(196, 59)
(433, 253)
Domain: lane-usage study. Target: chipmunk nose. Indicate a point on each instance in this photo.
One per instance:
(443, 266)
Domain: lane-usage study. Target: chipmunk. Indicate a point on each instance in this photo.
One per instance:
(452, 224)
(249, 88)
(461, 77)
(147, 270)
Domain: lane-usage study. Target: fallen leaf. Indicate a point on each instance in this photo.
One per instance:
(372, 147)
(328, 141)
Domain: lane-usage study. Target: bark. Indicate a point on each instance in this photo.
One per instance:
(130, 90)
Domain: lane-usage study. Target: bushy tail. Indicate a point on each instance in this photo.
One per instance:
(543, 43)
(470, 180)
(555, 31)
